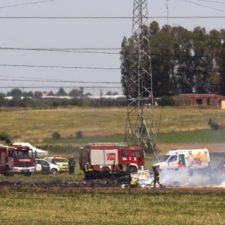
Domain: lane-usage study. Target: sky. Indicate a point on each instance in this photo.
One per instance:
(27, 59)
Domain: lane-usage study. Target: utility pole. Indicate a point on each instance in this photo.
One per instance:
(167, 11)
(140, 122)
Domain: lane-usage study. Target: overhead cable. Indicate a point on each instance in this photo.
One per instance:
(100, 51)
(59, 81)
(59, 67)
(43, 87)
(110, 17)
(205, 6)
(68, 50)
(211, 1)
(25, 4)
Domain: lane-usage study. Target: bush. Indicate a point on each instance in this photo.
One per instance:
(166, 101)
(56, 135)
(213, 125)
(79, 134)
(5, 137)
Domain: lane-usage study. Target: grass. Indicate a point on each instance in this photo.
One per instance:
(36, 126)
(85, 139)
(200, 136)
(97, 207)
(40, 124)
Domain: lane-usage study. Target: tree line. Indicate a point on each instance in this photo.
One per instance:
(76, 93)
(18, 98)
(182, 61)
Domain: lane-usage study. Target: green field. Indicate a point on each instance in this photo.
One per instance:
(114, 207)
(107, 124)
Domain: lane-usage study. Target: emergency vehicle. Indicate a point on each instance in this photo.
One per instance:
(16, 159)
(191, 158)
(110, 157)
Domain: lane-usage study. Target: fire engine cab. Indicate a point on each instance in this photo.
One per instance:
(16, 159)
(110, 157)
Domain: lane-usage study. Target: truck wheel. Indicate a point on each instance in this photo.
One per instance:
(27, 174)
(105, 170)
(54, 171)
(132, 169)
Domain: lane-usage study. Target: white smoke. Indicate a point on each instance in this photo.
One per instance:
(186, 178)
(196, 178)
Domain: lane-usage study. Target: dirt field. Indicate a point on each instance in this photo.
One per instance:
(101, 186)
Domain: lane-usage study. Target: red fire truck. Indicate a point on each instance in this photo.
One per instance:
(109, 158)
(16, 159)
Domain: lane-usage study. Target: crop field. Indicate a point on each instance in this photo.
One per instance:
(111, 206)
(37, 125)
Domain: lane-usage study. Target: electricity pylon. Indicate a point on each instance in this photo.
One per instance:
(140, 122)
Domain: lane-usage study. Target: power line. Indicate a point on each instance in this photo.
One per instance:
(41, 87)
(205, 6)
(112, 17)
(25, 4)
(68, 50)
(59, 67)
(211, 1)
(90, 51)
(59, 81)
(60, 49)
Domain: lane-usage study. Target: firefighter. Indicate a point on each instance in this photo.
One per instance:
(134, 182)
(87, 167)
(71, 164)
(156, 177)
(87, 170)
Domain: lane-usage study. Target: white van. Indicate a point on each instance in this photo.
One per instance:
(190, 158)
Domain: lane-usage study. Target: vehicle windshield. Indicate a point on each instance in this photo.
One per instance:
(173, 158)
(166, 157)
(60, 160)
(23, 154)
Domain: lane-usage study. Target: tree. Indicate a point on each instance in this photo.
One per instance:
(154, 28)
(77, 92)
(221, 62)
(199, 60)
(51, 93)
(16, 92)
(162, 51)
(182, 75)
(183, 61)
(111, 93)
(37, 94)
(222, 68)
(2, 100)
(28, 94)
(127, 57)
(61, 92)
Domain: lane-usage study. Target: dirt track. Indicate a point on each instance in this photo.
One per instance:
(100, 186)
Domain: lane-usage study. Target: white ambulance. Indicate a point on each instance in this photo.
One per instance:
(190, 158)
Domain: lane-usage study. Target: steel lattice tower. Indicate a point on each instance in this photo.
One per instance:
(140, 122)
